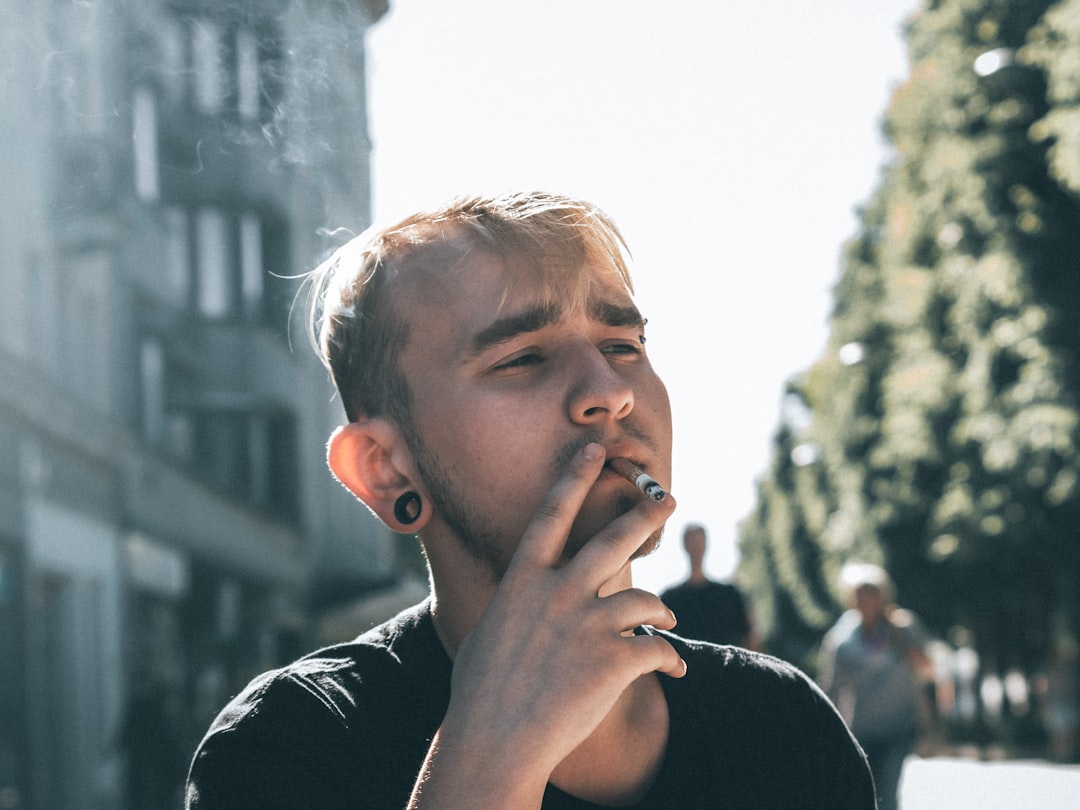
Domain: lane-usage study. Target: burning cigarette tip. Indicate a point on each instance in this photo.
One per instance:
(653, 490)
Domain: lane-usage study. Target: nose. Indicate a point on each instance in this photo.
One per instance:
(598, 391)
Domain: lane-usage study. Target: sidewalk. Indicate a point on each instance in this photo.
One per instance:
(963, 784)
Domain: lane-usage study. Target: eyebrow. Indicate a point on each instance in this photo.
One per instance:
(508, 328)
(536, 318)
(611, 314)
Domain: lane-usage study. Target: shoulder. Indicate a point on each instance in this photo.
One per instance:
(295, 734)
(674, 590)
(774, 732)
(738, 666)
(726, 684)
(907, 625)
(844, 629)
(329, 678)
(710, 590)
(724, 669)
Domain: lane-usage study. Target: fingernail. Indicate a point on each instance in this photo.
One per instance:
(592, 451)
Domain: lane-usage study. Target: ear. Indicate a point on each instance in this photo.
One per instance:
(370, 459)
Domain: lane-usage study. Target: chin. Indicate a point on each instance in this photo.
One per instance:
(585, 530)
(649, 546)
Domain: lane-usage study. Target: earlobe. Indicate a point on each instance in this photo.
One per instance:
(362, 456)
(408, 508)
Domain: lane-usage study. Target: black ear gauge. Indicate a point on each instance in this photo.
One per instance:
(407, 508)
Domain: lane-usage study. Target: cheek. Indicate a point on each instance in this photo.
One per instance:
(665, 418)
(664, 400)
(655, 406)
(482, 440)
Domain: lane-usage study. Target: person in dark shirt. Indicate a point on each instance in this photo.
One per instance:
(707, 610)
(491, 361)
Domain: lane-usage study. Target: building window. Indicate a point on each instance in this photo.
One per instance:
(152, 379)
(177, 254)
(180, 436)
(247, 75)
(208, 67)
(279, 289)
(232, 68)
(259, 457)
(284, 466)
(227, 265)
(144, 139)
(250, 455)
(83, 336)
(251, 266)
(215, 283)
(228, 612)
(221, 450)
(273, 460)
(172, 59)
(271, 70)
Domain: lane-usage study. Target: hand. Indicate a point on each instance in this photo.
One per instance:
(550, 656)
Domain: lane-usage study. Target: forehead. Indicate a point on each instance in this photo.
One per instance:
(455, 301)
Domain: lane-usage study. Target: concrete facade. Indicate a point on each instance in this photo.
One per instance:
(167, 523)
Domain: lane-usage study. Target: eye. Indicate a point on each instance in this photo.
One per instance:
(519, 361)
(625, 347)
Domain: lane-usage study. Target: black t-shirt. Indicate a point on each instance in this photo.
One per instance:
(349, 727)
(709, 611)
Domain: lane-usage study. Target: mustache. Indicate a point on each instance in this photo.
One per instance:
(572, 448)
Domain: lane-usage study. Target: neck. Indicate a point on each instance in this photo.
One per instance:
(462, 587)
(457, 606)
(619, 761)
(871, 623)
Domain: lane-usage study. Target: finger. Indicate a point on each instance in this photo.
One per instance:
(614, 545)
(544, 539)
(633, 607)
(655, 654)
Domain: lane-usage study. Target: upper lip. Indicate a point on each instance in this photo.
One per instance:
(624, 451)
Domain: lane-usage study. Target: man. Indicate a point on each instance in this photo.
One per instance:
(872, 664)
(490, 359)
(707, 610)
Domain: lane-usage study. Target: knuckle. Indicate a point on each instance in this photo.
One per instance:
(551, 510)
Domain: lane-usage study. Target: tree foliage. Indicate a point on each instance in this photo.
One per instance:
(939, 434)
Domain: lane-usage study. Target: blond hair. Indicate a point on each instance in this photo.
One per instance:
(355, 327)
(856, 575)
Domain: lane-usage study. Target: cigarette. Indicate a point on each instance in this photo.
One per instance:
(638, 477)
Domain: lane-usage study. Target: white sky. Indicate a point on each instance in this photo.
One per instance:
(730, 141)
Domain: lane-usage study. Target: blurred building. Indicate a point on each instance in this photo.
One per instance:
(167, 523)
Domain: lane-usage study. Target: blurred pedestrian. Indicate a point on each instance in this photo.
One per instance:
(708, 610)
(872, 662)
(1061, 700)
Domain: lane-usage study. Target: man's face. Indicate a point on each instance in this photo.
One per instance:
(694, 543)
(869, 601)
(506, 392)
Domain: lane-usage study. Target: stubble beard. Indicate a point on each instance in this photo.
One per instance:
(452, 502)
(483, 542)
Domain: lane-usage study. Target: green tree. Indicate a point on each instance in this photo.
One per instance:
(940, 433)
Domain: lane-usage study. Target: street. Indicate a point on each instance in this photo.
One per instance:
(960, 784)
